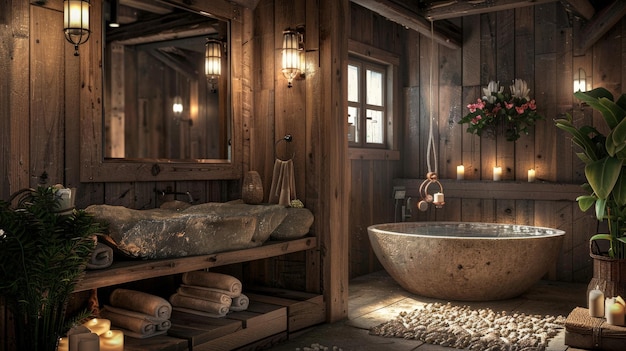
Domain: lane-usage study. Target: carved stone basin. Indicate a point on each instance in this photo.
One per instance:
(197, 230)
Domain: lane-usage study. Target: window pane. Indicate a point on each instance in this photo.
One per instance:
(374, 127)
(353, 83)
(353, 124)
(374, 81)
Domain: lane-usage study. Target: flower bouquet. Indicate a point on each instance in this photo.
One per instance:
(513, 111)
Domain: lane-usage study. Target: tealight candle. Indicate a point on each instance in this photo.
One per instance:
(616, 314)
(531, 175)
(98, 325)
(112, 340)
(497, 173)
(63, 345)
(460, 172)
(596, 303)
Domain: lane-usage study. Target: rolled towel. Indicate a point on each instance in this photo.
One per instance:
(141, 302)
(210, 294)
(101, 257)
(137, 324)
(199, 304)
(228, 283)
(160, 323)
(240, 303)
(135, 335)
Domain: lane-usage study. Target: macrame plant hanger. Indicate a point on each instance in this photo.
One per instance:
(431, 177)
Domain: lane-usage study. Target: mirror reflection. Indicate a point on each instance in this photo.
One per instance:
(166, 81)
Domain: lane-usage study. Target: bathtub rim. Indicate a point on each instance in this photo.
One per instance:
(376, 228)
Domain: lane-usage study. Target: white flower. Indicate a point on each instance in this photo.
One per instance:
(493, 87)
(519, 89)
(2, 234)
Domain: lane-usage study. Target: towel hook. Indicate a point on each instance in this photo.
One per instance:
(288, 138)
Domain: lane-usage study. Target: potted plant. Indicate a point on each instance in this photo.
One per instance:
(605, 170)
(44, 249)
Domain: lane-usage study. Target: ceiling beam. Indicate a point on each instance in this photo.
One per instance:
(601, 23)
(454, 8)
(445, 33)
(581, 7)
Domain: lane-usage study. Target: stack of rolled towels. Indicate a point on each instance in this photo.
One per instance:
(138, 314)
(209, 294)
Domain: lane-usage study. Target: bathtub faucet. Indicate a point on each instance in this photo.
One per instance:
(406, 209)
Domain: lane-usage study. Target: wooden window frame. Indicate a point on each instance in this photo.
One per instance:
(365, 53)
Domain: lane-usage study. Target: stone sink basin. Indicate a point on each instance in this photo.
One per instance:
(202, 229)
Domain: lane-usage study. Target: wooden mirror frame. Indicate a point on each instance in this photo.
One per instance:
(95, 168)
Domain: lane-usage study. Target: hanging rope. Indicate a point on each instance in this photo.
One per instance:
(431, 140)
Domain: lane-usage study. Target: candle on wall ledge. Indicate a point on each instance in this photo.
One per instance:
(596, 303)
(497, 173)
(460, 172)
(531, 175)
(98, 325)
(112, 340)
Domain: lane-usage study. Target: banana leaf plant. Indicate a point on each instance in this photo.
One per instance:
(605, 166)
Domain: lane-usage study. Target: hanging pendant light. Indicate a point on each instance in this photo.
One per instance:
(76, 22)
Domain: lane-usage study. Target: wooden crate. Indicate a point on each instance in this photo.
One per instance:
(235, 330)
(586, 332)
(303, 309)
(155, 343)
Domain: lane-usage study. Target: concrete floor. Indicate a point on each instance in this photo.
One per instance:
(377, 298)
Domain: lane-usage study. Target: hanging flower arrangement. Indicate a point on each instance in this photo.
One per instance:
(512, 111)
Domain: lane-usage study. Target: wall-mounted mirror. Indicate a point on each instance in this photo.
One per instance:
(167, 86)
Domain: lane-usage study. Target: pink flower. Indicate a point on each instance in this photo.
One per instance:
(508, 105)
(471, 108)
(520, 109)
(532, 105)
(476, 119)
(480, 103)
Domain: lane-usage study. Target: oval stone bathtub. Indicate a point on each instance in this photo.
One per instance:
(465, 261)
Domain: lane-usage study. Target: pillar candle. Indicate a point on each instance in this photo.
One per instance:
(112, 340)
(98, 325)
(89, 344)
(596, 303)
(608, 301)
(615, 315)
(438, 198)
(460, 172)
(531, 175)
(497, 173)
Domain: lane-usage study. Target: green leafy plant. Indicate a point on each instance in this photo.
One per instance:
(43, 254)
(605, 170)
(514, 111)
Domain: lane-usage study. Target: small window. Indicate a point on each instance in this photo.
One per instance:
(366, 104)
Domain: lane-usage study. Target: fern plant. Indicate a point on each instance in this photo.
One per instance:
(43, 253)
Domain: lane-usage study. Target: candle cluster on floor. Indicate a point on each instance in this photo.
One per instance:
(465, 328)
(611, 308)
(94, 335)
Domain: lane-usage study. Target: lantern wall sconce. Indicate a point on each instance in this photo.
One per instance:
(293, 54)
(177, 105)
(580, 80)
(76, 22)
(213, 61)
